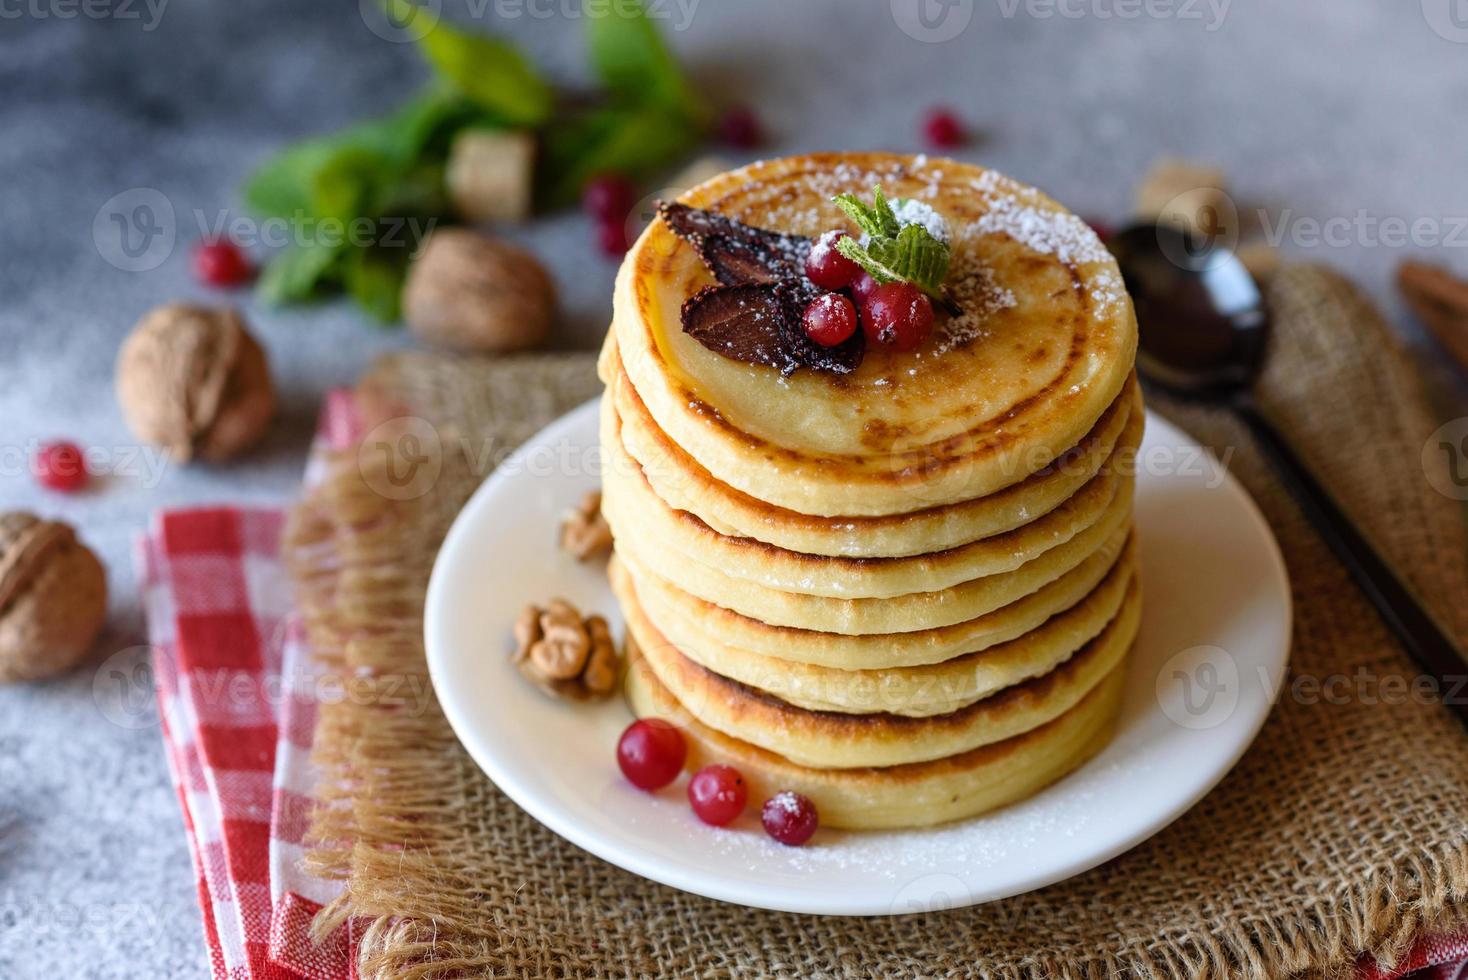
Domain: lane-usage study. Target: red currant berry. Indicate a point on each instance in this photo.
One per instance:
(898, 316)
(651, 753)
(220, 263)
(61, 466)
(827, 267)
(717, 794)
(739, 127)
(789, 818)
(863, 285)
(608, 197)
(611, 238)
(943, 129)
(830, 319)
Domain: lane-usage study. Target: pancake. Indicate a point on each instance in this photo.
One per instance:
(632, 508)
(698, 624)
(685, 485)
(835, 740)
(897, 614)
(919, 691)
(915, 795)
(1044, 346)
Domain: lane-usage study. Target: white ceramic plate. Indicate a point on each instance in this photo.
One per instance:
(1206, 669)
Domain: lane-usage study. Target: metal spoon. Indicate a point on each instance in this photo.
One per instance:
(1203, 326)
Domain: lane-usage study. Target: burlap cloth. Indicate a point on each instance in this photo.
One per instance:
(1343, 831)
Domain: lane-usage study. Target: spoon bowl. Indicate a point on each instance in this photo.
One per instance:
(1202, 319)
(1202, 327)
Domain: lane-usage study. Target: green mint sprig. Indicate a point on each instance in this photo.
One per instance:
(388, 172)
(893, 251)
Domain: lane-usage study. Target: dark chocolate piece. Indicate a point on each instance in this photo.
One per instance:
(757, 313)
(737, 253)
(741, 322)
(763, 323)
(796, 295)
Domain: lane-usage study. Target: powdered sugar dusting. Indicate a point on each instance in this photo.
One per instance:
(1056, 233)
(905, 858)
(1009, 208)
(910, 211)
(980, 296)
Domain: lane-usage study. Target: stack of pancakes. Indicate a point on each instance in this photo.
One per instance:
(907, 592)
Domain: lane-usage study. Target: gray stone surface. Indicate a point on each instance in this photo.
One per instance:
(1332, 109)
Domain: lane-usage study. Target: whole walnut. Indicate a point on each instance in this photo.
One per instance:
(192, 380)
(53, 598)
(470, 292)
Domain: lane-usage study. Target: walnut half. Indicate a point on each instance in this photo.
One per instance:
(584, 532)
(564, 653)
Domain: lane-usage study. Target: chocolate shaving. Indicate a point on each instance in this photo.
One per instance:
(795, 295)
(737, 253)
(762, 323)
(756, 314)
(741, 322)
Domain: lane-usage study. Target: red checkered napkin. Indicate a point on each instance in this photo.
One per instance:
(237, 693)
(218, 611)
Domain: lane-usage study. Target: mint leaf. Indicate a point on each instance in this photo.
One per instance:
(892, 251)
(625, 140)
(285, 186)
(300, 273)
(374, 278)
(487, 69)
(390, 167)
(632, 59)
(347, 183)
(281, 188)
(913, 256)
(876, 220)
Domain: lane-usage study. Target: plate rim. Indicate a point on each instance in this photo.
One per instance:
(564, 824)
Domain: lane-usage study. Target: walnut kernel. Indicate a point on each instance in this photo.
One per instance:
(564, 653)
(584, 532)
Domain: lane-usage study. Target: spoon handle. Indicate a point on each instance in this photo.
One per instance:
(1422, 635)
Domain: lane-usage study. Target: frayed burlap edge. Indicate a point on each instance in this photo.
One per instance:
(446, 878)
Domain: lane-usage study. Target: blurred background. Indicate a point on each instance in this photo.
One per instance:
(132, 128)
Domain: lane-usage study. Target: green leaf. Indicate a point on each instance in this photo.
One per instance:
(348, 182)
(631, 57)
(488, 70)
(286, 186)
(425, 127)
(630, 141)
(876, 220)
(374, 278)
(300, 273)
(891, 250)
(281, 188)
(913, 256)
